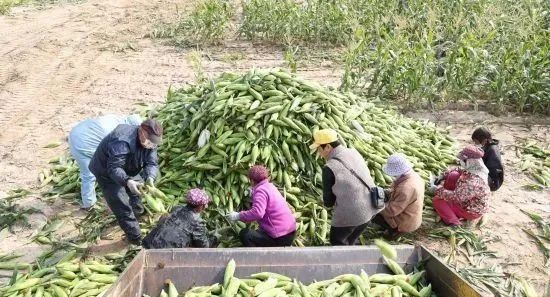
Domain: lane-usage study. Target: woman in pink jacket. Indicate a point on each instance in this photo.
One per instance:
(270, 210)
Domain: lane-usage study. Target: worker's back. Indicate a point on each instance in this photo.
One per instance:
(183, 227)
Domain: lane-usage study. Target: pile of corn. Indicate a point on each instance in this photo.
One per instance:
(66, 279)
(216, 130)
(268, 284)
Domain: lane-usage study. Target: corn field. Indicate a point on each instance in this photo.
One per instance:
(418, 53)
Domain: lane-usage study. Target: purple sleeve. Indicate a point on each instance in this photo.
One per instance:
(259, 204)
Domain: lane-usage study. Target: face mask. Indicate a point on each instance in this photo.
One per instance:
(149, 145)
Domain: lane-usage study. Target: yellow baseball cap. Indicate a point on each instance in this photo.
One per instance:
(323, 137)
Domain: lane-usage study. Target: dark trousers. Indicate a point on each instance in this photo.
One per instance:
(380, 221)
(253, 238)
(124, 205)
(389, 232)
(346, 235)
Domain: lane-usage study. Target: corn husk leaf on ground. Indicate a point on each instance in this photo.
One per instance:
(535, 162)
(542, 238)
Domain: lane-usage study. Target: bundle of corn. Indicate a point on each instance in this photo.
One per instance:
(215, 131)
(266, 284)
(70, 276)
(63, 176)
(535, 160)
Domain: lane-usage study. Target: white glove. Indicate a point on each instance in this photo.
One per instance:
(233, 216)
(134, 186)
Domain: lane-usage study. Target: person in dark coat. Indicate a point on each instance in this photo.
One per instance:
(121, 156)
(491, 158)
(183, 227)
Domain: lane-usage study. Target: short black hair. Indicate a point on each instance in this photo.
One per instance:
(332, 144)
(481, 134)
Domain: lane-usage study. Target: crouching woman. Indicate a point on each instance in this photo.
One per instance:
(183, 226)
(270, 210)
(403, 211)
(468, 201)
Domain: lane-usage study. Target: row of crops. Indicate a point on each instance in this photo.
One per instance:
(420, 53)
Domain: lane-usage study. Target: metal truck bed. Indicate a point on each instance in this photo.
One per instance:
(193, 267)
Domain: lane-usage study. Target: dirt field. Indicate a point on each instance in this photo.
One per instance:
(69, 62)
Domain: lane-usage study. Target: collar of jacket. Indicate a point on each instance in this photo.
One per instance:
(490, 144)
(403, 178)
(335, 151)
(263, 182)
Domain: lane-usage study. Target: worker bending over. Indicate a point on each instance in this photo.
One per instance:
(469, 199)
(120, 156)
(403, 211)
(270, 210)
(346, 188)
(83, 141)
(183, 227)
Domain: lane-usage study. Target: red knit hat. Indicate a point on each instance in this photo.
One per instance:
(471, 152)
(258, 173)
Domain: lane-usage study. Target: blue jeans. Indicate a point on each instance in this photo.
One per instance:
(83, 158)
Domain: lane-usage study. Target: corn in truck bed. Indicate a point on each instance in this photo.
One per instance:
(197, 267)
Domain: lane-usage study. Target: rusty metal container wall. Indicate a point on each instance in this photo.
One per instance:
(445, 280)
(190, 267)
(130, 282)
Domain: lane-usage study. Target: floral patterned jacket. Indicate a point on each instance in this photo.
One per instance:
(471, 193)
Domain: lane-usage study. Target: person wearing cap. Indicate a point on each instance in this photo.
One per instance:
(468, 201)
(270, 210)
(183, 227)
(83, 141)
(344, 179)
(403, 211)
(121, 156)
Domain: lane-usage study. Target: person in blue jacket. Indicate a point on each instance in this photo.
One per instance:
(83, 141)
(122, 155)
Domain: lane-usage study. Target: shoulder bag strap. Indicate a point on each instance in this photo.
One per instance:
(352, 172)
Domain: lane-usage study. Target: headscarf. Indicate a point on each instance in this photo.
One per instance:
(258, 173)
(197, 197)
(397, 165)
(477, 167)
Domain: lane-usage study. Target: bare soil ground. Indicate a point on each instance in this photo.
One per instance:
(69, 62)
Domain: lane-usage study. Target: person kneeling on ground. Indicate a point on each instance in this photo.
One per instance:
(269, 208)
(491, 157)
(403, 211)
(346, 188)
(183, 227)
(468, 200)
